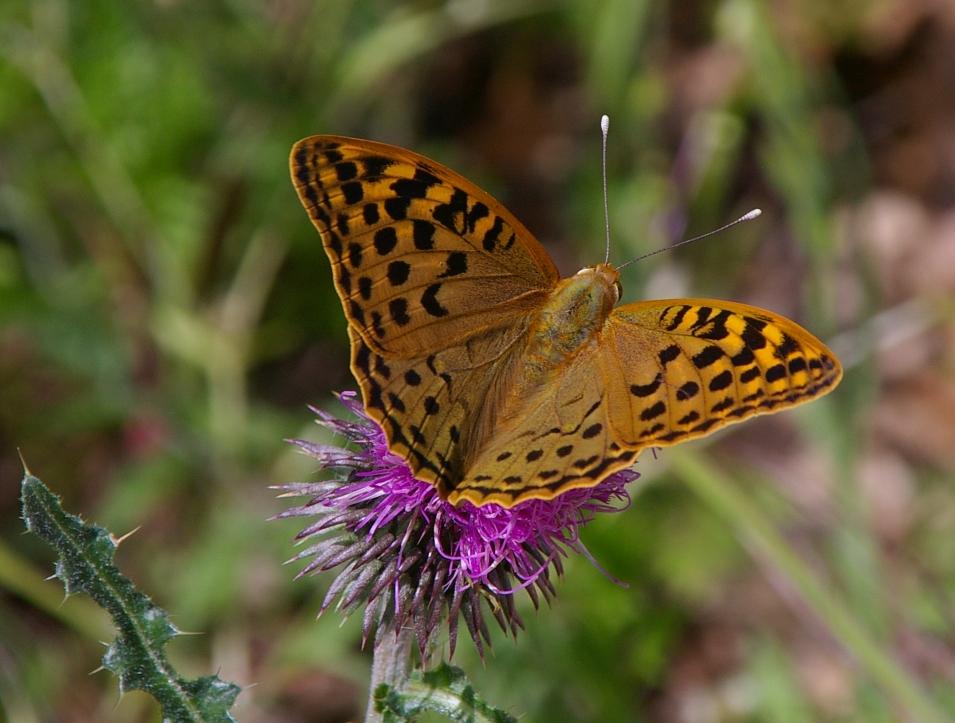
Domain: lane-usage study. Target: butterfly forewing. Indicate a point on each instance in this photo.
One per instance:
(421, 257)
(681, 368)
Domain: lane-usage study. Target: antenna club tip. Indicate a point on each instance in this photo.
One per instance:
(755, 213)
(605, 123)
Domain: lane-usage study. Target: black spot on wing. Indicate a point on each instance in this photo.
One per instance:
(688, 418)
(652, 412)
(352, 191)
(687, 391)
(423, 235)
(797, 364)
(677, 318)
(370, 214)
(456, 263)
(702, 314)
(645, 390)
(385, 240)
(357, 312)
(721, 380)
(375, 166)
(343, 226)
(397, 207)
(709, 355)
(491, 235)
(786, 348)
(669, 354)
(723, 404)
(715, 332)
(753, 333)
(744, 358)
(399, 311)
(398, 272)
(334, 242)
(775, 373)
(346, 171)
(364, 287)
(409, 188)
(344, 279)
(448, 214)
(354, 254)
(430, 303)
(477, 212)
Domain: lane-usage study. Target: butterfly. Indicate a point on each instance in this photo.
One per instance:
(497, 380)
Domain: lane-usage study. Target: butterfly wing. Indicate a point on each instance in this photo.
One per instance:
(436, 280)
(558, 440)
(421, 257)
(678, 369)
(433, 409)
(660, 372)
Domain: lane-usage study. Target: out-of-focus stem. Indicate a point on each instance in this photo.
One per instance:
(391, 665)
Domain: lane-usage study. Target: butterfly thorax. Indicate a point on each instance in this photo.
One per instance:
(569, 320)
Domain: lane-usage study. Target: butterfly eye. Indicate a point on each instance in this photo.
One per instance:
(619, 289)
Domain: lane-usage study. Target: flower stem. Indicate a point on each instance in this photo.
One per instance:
(391, 666)
(761, 537)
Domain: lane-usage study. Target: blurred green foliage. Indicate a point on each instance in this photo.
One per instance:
(166, 313)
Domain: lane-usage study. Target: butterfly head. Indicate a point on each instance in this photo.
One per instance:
(606, 277)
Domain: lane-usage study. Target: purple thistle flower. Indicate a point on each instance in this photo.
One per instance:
(409, 556)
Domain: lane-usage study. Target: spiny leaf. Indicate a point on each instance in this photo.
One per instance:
(137, 655)
(444, 690)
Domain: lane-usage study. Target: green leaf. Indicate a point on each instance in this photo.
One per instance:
(137, 655)
(444, 690)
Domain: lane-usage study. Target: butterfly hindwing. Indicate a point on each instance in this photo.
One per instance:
(554, 441)
(421, 257)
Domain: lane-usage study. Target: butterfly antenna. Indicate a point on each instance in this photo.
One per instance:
(755, 213)
(604, 130)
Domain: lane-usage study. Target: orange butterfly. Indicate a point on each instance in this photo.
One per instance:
(494, 378)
